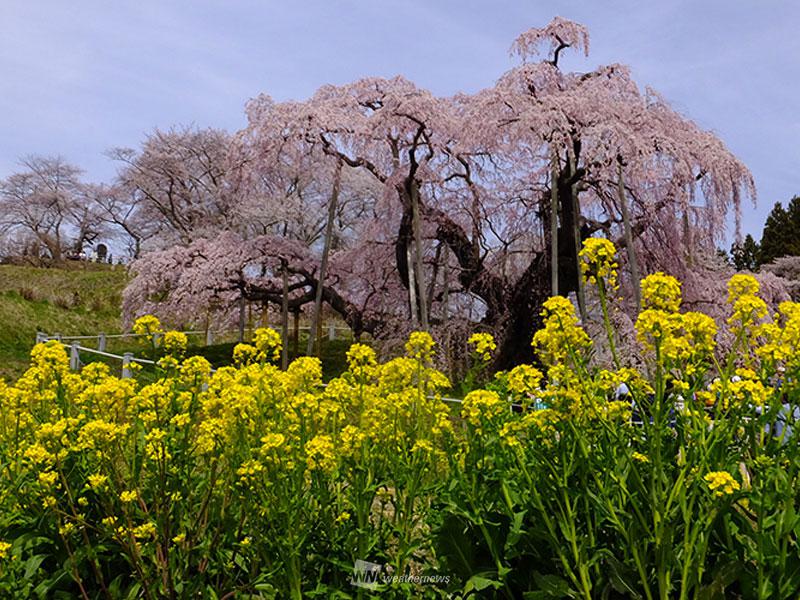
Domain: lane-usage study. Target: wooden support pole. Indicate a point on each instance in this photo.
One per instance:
(315, 329)
(127, 359)
(296, 333)
(576, 229)
(412, 287)
(285, 317)
(446, 277)
(419, 251)
(554, 225)
(434, 276)
(242, 316)
(74, 357)
(633, 262)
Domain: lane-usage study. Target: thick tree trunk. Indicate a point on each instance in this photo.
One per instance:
(434, 276)
(512, 308)
(522, 318)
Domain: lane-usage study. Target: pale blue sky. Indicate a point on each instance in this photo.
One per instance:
(79, 77)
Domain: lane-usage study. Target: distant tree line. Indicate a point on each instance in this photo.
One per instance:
(779, 238)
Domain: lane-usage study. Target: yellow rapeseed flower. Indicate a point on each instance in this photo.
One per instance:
(420, 346)
(721, 483)
(524, 380)
(661, 292)
(147, 326)
(742, 285)
(129, 496)
(268, 343)
(175, 343)
(320, 454)
(562, 338)
(359, 357)
(748, 310)
(482, 406)
(598, 262)
(483, 344)
(244, 354)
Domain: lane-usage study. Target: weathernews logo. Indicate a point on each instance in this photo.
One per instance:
(372, 576)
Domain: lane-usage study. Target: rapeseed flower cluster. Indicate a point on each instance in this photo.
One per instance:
(175, 343)
(598, 262)
(133, 452)
(483, 345)
(661, 292)
(268, 343)
(524, 381)
(562, 339)
(721, 483)
(420, 346)
(687, 339)
(748, 308)
(147, 326)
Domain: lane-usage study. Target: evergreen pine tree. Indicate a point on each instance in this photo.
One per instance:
(745, 255)
(781, 234)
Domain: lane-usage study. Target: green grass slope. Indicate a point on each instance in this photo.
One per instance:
(85, 299)
(78, 299)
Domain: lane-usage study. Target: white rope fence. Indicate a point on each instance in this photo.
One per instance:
(75, 363)
(102, 338)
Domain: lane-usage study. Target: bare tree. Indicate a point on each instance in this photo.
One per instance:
(46, 204)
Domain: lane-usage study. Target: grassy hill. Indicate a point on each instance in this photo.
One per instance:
(85, 299)
(78, 299)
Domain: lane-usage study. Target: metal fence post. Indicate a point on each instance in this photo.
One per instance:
(101, 342)
(74, 357)
(156, 338)
(57, 337)
(40, 337)
(127, 358)
(331, 332)
(209, 337)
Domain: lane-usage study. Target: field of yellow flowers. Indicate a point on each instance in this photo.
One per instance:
(679, 480)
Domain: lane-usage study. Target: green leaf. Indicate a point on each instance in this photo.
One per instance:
(477, 583)
(723, 577)
(621, 577)
(33, 563)
(552, 585)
